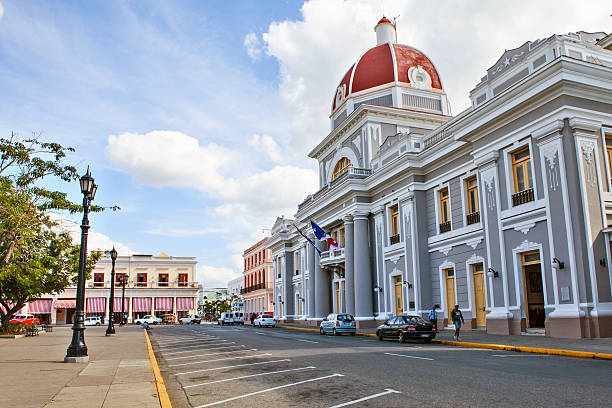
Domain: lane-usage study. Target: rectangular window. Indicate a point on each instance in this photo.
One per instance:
(394, 220)
(141, 279)
(98, 279)
(473, 214)
(444, 206)
(521, 172)
(342, 234)
(609, 153)
(183, 278)
(162, 280)
(297, 262)
(119, 278)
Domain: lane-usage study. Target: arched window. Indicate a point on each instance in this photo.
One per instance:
(342, 166)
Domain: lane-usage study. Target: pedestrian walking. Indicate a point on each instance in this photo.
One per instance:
(433, 318)
(457, 318)
(252, 318)
(102, 319)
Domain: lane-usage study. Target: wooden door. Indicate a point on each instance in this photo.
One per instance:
(298, 304)
(533, 290)
(399, 301)
(450, 292)
(479, 295)
(343, 294)
(337, 289)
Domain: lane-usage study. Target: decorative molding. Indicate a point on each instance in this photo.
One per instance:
(488, 178)
(357, 143)
(445, 249)
(588, 148)
(473, 243)
(550, 151)
(526, 246)
(524, 227)
(553, 127)
(407, 229)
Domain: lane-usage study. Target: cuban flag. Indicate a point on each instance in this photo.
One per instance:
(323, 236)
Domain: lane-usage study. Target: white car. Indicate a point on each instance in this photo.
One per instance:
(150, 319)
(190, 319)
(225, 318)
(237, 318)
(92, 321)
(264, 320)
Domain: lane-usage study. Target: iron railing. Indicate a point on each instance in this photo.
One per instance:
(445, 227)
(522, 197)
(394, 239)
(473, 218)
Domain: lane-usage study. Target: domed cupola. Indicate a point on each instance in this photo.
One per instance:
(390, 74)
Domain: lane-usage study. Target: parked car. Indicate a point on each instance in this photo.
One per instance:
(226, 318)
(406, 327)
(190, 319)
(338, 323)
(26, 319)
(92, 321)
(169, 318)
(264, 320)
(150, 319)
(237, 318)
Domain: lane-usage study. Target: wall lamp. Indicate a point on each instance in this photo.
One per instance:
(408, 284)
(492, 273)
(602, 262)
(557, 264)
(378, 289)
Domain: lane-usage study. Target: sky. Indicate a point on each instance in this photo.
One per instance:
(196, 117)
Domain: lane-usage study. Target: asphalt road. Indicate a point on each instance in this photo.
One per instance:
(236, 366)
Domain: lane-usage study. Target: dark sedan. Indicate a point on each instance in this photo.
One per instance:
(403, 328)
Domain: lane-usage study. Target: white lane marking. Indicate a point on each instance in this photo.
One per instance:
(380, 394)
(212, 354)
(269, 389)
(218, 359)
(404, 355)
(176, 343)
(307, 341)
(249, 376)
(232, 366)
(518, 355)
(195, 350)
(195, 345)
(260, 332)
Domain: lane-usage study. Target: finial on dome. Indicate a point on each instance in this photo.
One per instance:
(385, 31)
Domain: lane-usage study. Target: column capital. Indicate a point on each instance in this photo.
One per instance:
(348, 219)
(361, 215)
(550, 129)
(378, 210)
(489, 158)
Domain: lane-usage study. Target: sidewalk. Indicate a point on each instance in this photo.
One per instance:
(118, 373)
(479, 336)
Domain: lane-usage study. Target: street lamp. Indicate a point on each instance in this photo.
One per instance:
(110, 330)
(77, 350)
(123, 281)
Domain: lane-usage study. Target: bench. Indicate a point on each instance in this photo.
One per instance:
(31, 331)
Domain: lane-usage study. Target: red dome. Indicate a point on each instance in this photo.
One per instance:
(384, 20)
(384, 64)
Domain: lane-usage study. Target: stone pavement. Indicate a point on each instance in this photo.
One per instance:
(480, 336)
(119, 374)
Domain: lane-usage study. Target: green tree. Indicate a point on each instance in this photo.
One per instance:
(36, 255)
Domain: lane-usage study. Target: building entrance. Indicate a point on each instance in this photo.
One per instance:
(533, 290)
(449, 275)
(399, 299)
(479, 295)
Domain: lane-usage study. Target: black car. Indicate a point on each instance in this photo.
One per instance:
(403, 328)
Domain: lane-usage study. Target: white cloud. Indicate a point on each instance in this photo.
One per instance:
(213, 277)
(253, 46)
(267, 145)
(1, 10)
(462, 40)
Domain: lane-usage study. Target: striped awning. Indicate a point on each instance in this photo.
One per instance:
(184, 304)
(96, 305)
(163, 304)
(117, 305)
(40, 306)
(65, 304)
(140, 304)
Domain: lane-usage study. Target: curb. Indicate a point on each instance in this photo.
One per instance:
(520, 349)
(162, 394)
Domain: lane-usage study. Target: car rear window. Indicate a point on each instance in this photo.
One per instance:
(346, 318)
(266, 317)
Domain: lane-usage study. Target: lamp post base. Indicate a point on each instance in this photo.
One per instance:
(109, 334)
(83, 359)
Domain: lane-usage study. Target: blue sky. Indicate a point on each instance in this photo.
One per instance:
(196, 116)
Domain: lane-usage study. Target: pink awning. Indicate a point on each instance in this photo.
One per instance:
(96, 305)
(117, 305)
(140, 304)
(65, 304)
(163, 304)
(184, 304)
(41, 306)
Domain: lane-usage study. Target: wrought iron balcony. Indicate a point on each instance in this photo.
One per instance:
(253, 288)
(522, 197)
(394, 239)
(473, 218)
(445, 227)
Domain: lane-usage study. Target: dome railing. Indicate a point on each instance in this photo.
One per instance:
(349, 173)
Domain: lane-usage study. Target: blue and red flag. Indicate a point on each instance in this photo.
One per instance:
(308, 239)
(323, 236)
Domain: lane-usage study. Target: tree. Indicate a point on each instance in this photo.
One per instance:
(36, 255)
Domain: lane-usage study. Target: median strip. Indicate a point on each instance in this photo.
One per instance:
(520, 349)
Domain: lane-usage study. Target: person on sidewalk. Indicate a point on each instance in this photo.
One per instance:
(433, 318)
(252, 318)
(457, 318)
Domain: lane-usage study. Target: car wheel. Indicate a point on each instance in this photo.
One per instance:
(427, 340)
(335, 332)
(401, 338)
(273, 326)
(321, 331)
(353, 333)
(380, 335)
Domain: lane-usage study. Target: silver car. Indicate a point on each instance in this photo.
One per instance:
(338, 323)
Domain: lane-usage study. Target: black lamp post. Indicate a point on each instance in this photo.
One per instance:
(77, 350)
(123, 281)
(110, 330)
